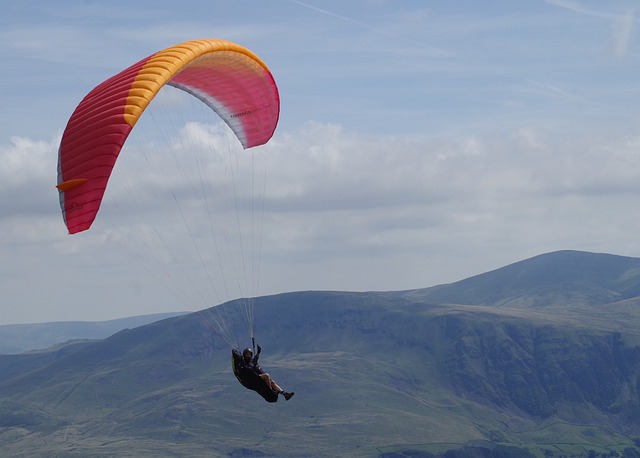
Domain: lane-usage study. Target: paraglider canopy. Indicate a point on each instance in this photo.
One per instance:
(229, 78)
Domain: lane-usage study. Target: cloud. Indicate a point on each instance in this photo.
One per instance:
(576, 7)
(396, 38)
(621, 34)
(333, 191)
(551, 90)
(339, 210)
(27, 174)
(622, 27)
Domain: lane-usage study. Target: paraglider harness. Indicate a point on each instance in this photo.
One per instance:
(249, 374)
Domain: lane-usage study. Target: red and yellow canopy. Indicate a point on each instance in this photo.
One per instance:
(229, 78)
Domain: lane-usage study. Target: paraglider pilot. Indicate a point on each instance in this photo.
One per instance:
(251, 375)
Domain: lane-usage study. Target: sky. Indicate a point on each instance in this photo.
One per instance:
(419, 143)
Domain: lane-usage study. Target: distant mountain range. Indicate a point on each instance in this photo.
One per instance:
(18, 338)
(539, 358)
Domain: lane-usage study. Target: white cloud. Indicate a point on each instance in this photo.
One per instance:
(621, 33)
(28, 178)
(26, 161)
(341, 211)
(576, 7)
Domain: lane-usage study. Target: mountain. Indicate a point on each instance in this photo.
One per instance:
(432, 372)
(18, 338)
(558, 278)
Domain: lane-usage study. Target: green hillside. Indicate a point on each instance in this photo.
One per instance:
(375, 374)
